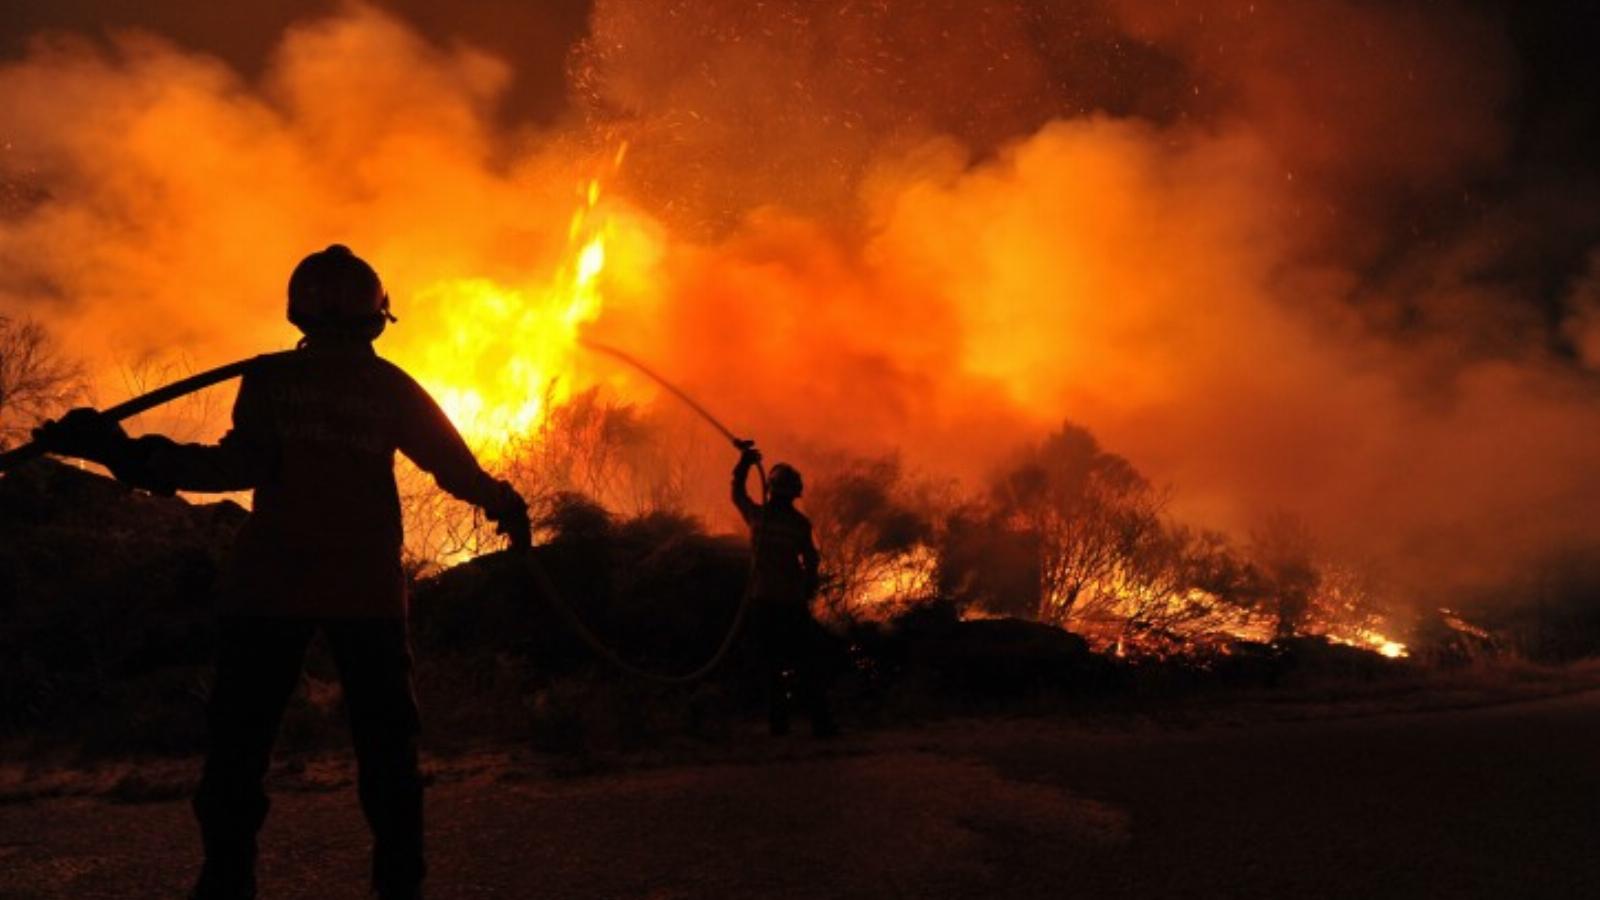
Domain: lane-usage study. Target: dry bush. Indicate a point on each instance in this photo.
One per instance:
(192, 417)
(605, 449)
(589, 445)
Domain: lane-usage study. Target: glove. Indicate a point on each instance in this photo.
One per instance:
(86, 434)
(748, 454)
(509, 513)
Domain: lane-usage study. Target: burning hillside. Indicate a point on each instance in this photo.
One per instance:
(1262, 259)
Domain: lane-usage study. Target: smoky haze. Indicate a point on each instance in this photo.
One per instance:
(1303, 256)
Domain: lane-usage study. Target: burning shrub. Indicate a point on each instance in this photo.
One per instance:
(1074, 536)
(608, 450)
(1164, 596)
(1092, 512)
(1111, 565)
(876, 531)
(589, 446)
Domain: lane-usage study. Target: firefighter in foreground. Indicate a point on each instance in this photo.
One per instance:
(791, 644)
(314, 435)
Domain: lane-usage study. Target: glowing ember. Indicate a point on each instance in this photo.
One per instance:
(1119, 616)
(1368, 640)
(1457, 623)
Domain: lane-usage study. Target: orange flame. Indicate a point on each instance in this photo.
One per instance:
(506, 355)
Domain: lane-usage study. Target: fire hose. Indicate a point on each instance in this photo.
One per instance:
(569, 613)
(182, 388)
(142, 403)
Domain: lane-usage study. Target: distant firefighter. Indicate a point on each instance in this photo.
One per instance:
(792, 646)
(314, 435)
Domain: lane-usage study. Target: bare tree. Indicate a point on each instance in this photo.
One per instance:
(1283, 549)
(1092, 511)
(36, 380)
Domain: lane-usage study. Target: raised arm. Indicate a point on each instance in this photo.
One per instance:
(748, 509)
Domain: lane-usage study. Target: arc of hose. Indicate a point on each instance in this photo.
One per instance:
(568, 612)
(144, 402)
(671, 388)
(210, 377)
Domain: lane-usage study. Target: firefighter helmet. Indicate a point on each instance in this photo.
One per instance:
(335, 292)
(783, 482)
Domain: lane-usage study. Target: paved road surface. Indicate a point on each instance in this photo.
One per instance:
(1496, 802)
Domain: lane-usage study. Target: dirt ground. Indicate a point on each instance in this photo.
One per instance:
(1501, 801)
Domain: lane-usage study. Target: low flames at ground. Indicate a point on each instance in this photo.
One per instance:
(1138, 294)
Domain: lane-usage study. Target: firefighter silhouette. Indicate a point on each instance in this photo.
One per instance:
(314, 435)
(791, 645)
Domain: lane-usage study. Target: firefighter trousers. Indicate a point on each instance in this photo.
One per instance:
(258, 666)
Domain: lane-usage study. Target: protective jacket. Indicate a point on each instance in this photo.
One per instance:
(787, 560)
(314, 435)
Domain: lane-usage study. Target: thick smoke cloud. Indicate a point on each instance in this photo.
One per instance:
(1226, 238)
(161, 199)
(1215, 263)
